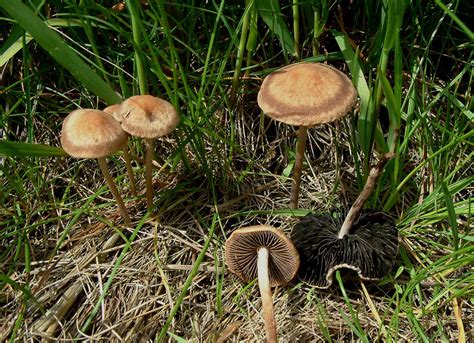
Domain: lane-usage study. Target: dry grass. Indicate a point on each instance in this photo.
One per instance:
(217, 306)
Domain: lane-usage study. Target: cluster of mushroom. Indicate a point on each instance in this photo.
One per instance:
(367, 241)
(314, 93)
(90, 133)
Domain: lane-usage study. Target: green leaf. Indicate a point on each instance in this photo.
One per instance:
(14, 42)
(269, 10)
(395, 16)
(18, 149)
(358, 78)
(4, 279)
(367, 120)
(59, 50)
(393, 108)
(451, 215)
(11, 47)
(456, 19)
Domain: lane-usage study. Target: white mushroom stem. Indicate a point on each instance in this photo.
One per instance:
(113, 190)
(369, 187)
(128, 164)
(266, 294)
(300, 148)
(149, 170)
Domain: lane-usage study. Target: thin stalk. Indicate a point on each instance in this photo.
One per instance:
(301, 144)
(114, 111)
(369, 187)
(128, 164)
(114, 191)
(296, 28)
(148, 165)
(266, 294)
(316, 33)
(240, 52)
(137, 41)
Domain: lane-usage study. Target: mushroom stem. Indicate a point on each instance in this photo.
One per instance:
(295, 189)
(113, 190)
(266, 294)
(128, 164)
(369, 187)
(149, 169)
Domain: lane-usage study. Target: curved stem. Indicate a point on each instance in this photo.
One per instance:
(301, 145)
(369, 187)
(149, 170)
(114, 191)
(266, 294)
(128, 164)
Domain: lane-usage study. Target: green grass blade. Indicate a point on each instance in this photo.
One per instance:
(18, 149)
(366, 123)
(11, 47)
(4, 279)
(451, 215)
(59, 50)
(114, 272)
(188, 282)
(133, 8)
(456, 19)
(353, 322)
(177, 338)
(14, 42)
(270, 12)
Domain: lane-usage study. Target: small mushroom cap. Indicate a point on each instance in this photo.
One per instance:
(369, 249)
(88, 133)
(241, 252)
(306, 94)
(114, 111)
(147, 116)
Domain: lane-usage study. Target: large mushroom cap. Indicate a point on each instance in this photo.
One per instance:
(241, 251)
(147, 116)
(369, 249)
(306, 94)
(88, 133)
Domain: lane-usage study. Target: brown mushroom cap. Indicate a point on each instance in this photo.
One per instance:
(88, 133)
(241, 250)
(306, 94)
(114, 111)
(147, 116)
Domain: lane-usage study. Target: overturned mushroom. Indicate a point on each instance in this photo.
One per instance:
(366, 241)
(88, 133)
(264, 252)
(369, 249)
(304, 95)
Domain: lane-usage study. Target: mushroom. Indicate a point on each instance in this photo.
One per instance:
(148, 117)
(304, 95)
(88, 133)
(365, 242)
(264, 252)
(369, 249)
(114, 110)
